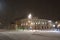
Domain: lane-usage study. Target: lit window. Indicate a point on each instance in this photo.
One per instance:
(42, 22)
(26, 23)
(36, 23)
(49, 21)
(56, 22)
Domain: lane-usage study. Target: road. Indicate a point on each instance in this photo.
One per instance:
(29, 35)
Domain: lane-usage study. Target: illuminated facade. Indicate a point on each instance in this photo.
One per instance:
(35, 23)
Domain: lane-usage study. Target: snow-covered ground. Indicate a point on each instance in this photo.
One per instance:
(30, 35)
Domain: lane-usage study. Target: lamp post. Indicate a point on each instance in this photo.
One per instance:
(56, 23)
(29, 19)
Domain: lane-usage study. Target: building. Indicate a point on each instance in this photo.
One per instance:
(34, 24)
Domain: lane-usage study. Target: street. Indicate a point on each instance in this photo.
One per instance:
(29, 35)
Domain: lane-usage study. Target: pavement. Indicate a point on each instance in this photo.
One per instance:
(30, 35)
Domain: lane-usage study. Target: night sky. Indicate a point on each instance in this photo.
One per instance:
(11, 10)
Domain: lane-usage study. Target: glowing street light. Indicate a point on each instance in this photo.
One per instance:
(53, 25)
(29, 16)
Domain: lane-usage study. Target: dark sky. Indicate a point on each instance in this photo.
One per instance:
(14, 9)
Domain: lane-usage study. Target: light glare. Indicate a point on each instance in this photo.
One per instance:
(29, 16)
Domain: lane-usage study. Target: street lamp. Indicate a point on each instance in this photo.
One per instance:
(53, 25)
(29, 16)
(29, 20)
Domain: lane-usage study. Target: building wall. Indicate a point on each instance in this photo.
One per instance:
(34, 24)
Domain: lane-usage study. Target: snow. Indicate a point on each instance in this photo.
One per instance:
(30, 35)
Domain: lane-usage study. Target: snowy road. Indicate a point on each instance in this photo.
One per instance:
(29, 35)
